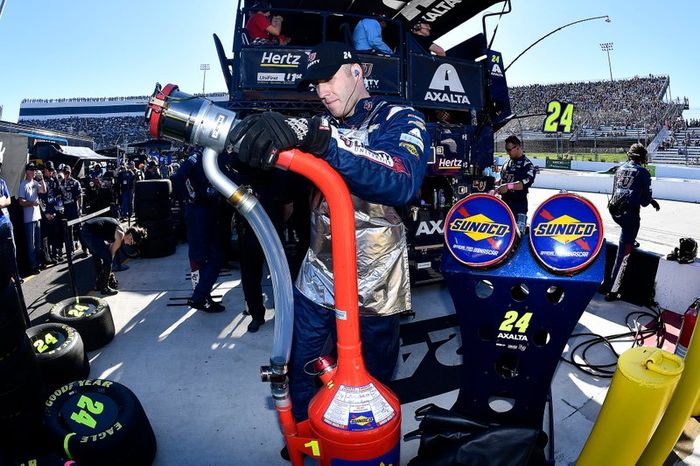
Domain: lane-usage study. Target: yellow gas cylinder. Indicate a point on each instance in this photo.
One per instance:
(638, 395)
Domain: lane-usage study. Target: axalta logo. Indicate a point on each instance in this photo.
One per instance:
(429, 228)
(565, 229)
(290, 60)
(479, 227)
(446, 86)
(435, 8)
(361, 420)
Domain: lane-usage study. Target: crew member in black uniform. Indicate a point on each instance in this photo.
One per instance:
(51, 215)
(72, 194)
(517, 175)
(631, 192)
(202, 204)
(103, 237)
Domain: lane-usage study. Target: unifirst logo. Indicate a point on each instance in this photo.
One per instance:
(479, 227)
(565, 229)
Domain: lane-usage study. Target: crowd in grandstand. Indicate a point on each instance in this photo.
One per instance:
(106, 131)
(621, 104)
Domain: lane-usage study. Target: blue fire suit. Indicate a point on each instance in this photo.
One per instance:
(381, 152)
(631, 191)
(201, 202)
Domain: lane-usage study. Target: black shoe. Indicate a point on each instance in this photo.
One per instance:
(108, 291)
(206, 306)
(34, 271)
(636, 244)
(610, 296)
(81, 255)
(255, 325)
(284, 453)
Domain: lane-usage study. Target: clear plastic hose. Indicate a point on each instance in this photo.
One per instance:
(266, 233)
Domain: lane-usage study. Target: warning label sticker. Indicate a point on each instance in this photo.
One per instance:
(358, 408)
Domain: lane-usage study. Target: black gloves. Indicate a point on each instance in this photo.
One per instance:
(655, 204)
(259, 138)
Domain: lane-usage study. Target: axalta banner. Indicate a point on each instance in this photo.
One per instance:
(445, 83)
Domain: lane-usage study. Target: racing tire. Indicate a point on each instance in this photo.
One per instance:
(149, 190)
(152, 211)
(60, 352)
(89, 315)
(152, 248)
(12, 324)
(41, 459)
(21, 392)
(99, 422)
(159, 228)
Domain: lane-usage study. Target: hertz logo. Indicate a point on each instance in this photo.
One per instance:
(565, 229)
(479, 227)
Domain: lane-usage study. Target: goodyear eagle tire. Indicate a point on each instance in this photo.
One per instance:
(21, 392)
(152, 190)
(12, 324)
(99, 422)
(89, 315)
(47, 459)
(60, 352)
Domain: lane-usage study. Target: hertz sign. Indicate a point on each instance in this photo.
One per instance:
(480, 230)
(566, 233)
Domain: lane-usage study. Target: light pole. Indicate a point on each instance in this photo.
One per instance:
(204, 67)
(605, 17)
(607, 47)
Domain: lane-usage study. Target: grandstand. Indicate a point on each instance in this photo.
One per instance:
(608, 117)
(110, 121)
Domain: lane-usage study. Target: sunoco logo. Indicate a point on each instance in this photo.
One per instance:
(565, 229)
(361, 420)
(479, 227)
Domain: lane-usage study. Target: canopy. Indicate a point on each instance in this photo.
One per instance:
(443, 15)
(71, 155)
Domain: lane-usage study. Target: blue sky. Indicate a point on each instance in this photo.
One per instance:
(81, 48)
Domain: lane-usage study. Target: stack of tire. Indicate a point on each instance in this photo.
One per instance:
(152, 205)
(21, 385)
(99, 422)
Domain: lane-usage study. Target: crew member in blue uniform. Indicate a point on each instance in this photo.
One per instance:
(517, 175)
(631, 192)
(72, 194)
(380, 150)
(202, 203)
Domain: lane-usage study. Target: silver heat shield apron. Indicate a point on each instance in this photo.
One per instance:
(382, 260)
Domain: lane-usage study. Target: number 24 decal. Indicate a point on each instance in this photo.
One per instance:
(560, 117)
(513, 319)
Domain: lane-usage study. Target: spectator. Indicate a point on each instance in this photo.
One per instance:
(631, 191)
(28, 198)
(421, 34)
(260, 30)
(8, 258)
(383, 168)
(103, 237)
(152, 172)
(367, 36)
(517, 175)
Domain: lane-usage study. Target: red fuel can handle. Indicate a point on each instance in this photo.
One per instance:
(687, 326)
